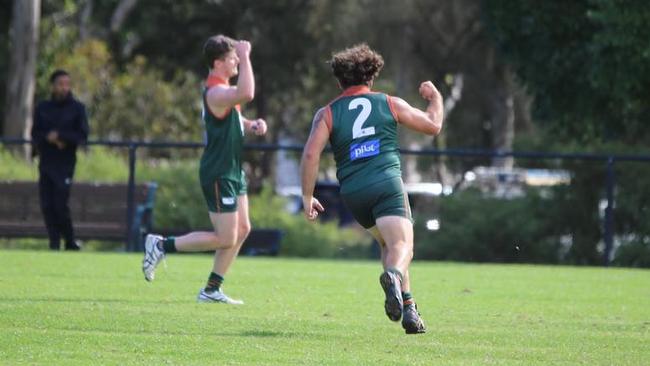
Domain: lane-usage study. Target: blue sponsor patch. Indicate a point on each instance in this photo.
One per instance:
(364, 149)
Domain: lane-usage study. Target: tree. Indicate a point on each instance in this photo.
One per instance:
(131, 101)
(282, 55)
(587, 63)
(5, 19)
(22, 65)
(448, 43)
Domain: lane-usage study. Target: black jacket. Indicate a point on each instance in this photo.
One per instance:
(68, 118)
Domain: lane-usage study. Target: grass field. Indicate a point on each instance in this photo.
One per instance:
(95, 308)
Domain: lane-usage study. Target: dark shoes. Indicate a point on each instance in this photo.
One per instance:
(411, 321)
(75, 245)
(392, 286)
(394, 305)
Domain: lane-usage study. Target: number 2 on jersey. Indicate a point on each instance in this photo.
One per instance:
(366, 107)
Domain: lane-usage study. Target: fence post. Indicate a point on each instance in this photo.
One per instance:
(130, 193)
(608, 228)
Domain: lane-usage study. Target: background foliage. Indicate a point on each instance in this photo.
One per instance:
(544, 226)
(548, 76)
(180, 205)
(586, 63)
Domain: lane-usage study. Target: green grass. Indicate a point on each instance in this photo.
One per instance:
(95, 308)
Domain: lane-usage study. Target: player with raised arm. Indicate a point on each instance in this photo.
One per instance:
(361, 127)
(221, 175)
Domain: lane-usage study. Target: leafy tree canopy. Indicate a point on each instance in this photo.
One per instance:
(587, 63)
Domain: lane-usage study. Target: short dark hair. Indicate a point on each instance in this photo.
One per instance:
(356, 65)
(57, 74)
(216, 47)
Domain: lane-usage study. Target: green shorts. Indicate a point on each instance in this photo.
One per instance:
(221, 194)
(386, 198)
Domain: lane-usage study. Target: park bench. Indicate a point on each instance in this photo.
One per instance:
(99, 211)
(262, 242)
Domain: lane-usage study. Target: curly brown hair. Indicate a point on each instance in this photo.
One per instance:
(216, 47)
(356, 65)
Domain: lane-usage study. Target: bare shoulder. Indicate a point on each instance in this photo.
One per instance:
(399, 102)
(320, 113)
(319, 117)
(220, 96)
(321, 120)
(217, 90)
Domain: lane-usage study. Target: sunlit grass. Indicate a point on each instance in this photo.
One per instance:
(95, 308)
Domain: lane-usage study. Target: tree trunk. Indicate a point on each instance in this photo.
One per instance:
(503, 118)
(403, 79)
(84, 20)
(442, 173)
(19, 102)
(121, 13)
(523, 114)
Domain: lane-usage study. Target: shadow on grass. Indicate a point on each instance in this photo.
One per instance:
(93, 300)
(158, 333)
(264, 334)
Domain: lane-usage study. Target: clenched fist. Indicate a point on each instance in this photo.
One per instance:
(428, 91)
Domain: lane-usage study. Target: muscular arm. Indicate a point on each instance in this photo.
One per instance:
(310, 161)
(428, 121)
(222, 98)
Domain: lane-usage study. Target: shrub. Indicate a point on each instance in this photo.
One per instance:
(179, 200)
(302, 238)
(180, 204)
(479, 229)
(15, 168)
(633, 254)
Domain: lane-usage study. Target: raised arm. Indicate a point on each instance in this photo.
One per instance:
(309, 164)
(222, 98)
(428, 121)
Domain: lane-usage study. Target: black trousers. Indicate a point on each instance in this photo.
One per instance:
(54, 189)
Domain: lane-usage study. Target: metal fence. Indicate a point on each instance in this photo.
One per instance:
(608, 161)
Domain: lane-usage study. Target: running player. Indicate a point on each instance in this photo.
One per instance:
(361, 126)
(221, 176)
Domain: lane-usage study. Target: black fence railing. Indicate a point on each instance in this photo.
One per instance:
(609, 160)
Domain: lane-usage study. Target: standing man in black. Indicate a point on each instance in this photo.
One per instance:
(60, 125)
